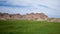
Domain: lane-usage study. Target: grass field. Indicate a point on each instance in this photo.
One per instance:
(28, 27)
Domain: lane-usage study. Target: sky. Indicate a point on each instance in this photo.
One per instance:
(49, 7)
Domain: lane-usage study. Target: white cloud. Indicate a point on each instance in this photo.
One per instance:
(53, 6)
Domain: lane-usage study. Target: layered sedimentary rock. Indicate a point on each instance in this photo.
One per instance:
(35, 16)
(5, 16)
(31, 16)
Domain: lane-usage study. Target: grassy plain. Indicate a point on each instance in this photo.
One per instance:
(28, 27)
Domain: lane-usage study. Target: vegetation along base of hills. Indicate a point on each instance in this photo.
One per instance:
(28, 27)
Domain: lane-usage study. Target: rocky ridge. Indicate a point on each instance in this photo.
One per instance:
(31, 16)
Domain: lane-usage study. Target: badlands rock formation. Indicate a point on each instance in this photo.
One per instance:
(31, 16)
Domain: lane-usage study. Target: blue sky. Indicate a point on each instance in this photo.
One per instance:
(49, 7)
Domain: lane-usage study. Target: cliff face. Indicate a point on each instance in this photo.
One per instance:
(31, 16)
(5, 16)
(36, 16)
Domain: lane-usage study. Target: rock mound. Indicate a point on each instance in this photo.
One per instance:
(31, 16)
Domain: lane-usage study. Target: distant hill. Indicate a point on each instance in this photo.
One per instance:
(31, 16)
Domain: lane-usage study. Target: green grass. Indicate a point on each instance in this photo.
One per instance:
(28, 27)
